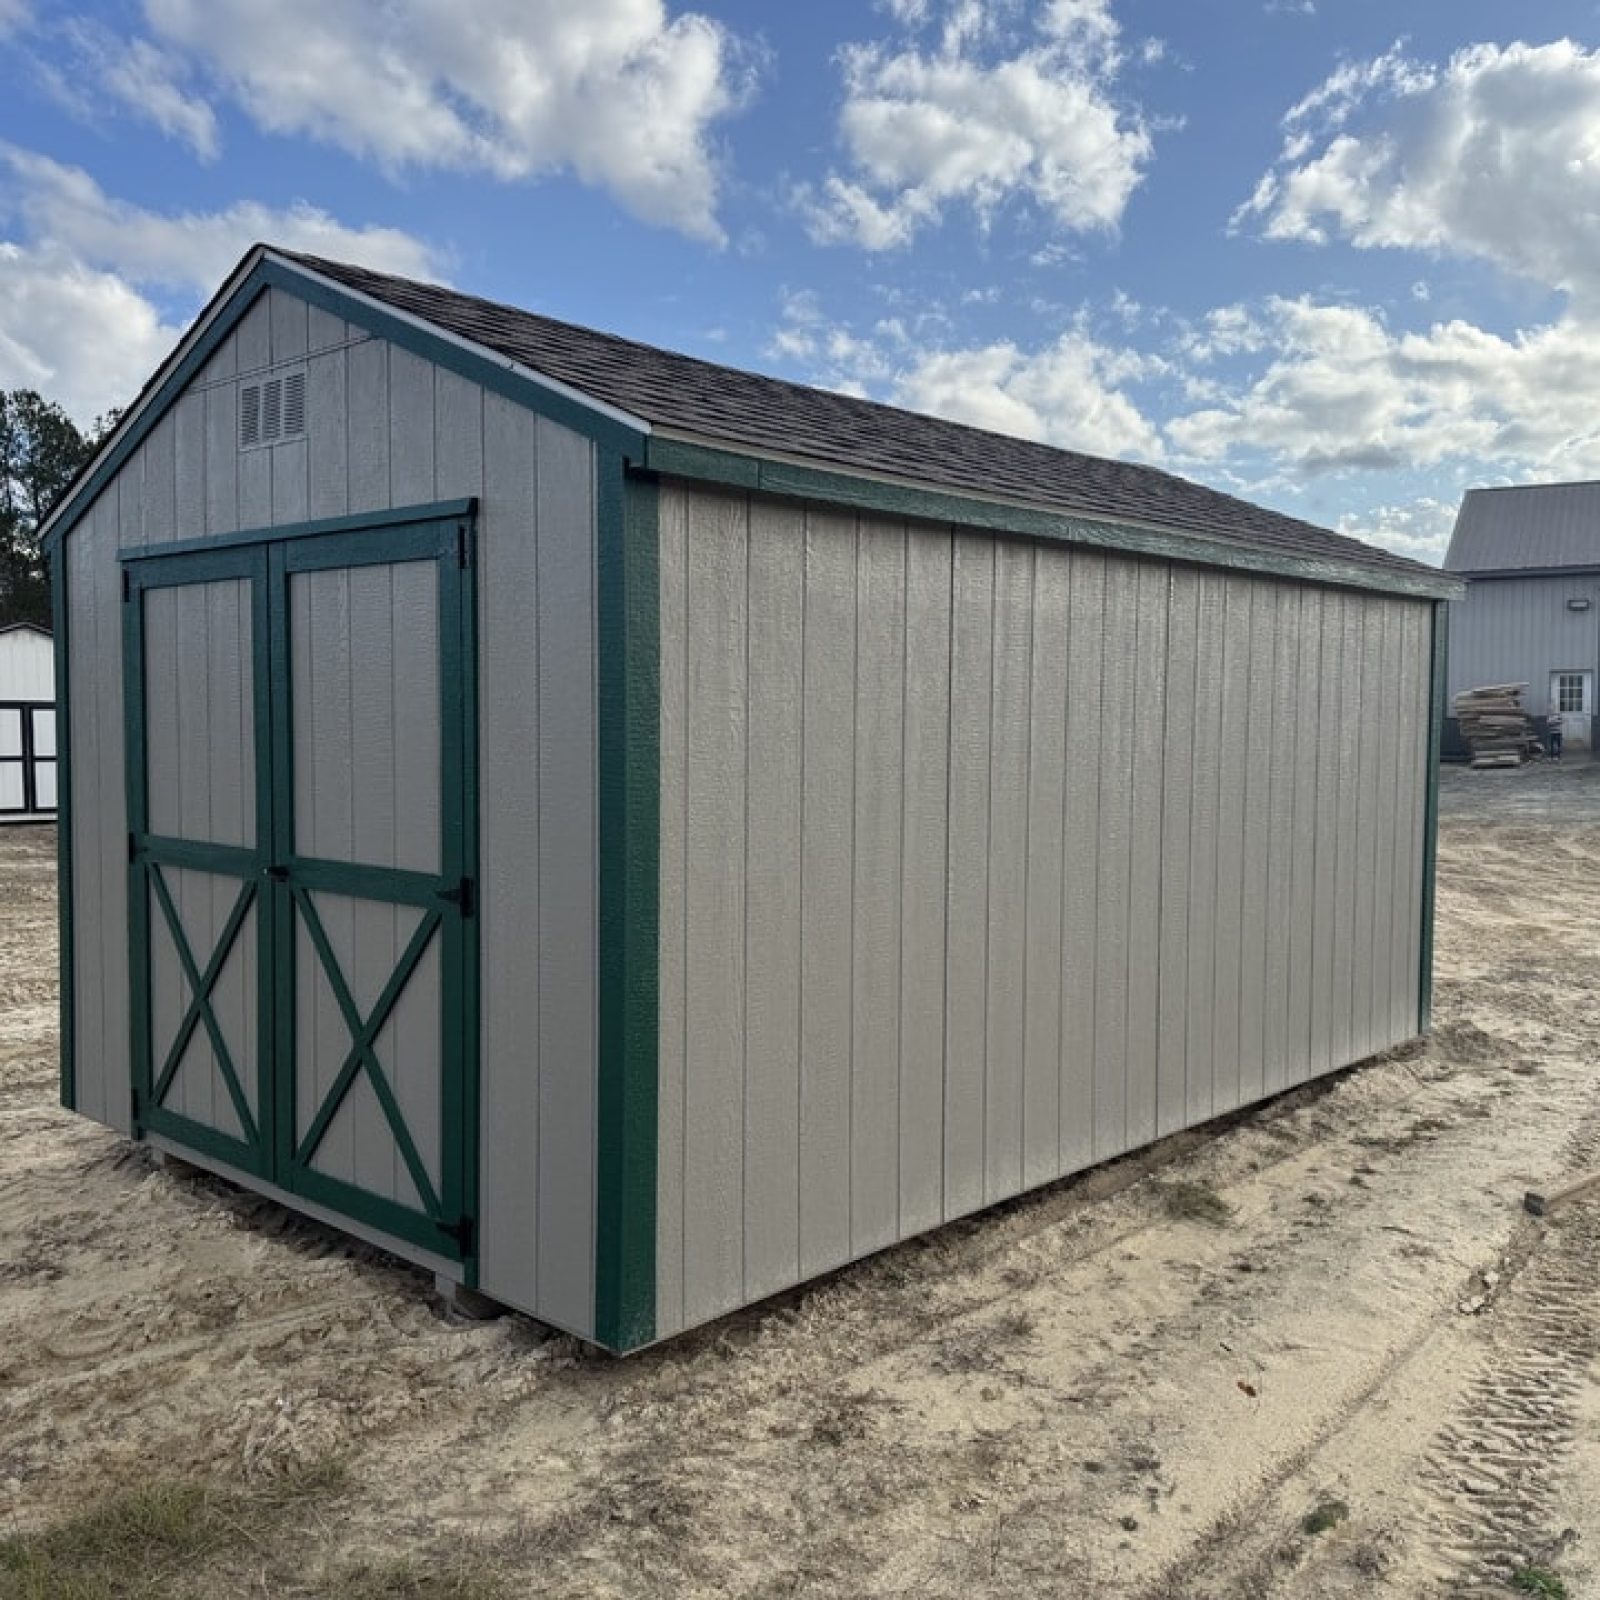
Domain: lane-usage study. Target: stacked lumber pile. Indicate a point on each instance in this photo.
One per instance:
(1497, 730)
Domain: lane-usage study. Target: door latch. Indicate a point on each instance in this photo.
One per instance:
(462, 896)
(277, 874)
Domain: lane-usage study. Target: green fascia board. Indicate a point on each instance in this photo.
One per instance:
(629, 818)
(477, 364)
(733, 469)
(1430, 826)
(64, 911)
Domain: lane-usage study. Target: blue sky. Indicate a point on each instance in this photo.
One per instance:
(1339, 256)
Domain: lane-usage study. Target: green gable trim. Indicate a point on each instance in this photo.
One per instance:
(1430, 826)
(676, 458)
(478, 366)
(58, 610)
(629, 805)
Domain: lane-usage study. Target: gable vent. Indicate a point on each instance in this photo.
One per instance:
(273, 410)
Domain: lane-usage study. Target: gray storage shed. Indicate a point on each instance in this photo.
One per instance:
(632, 835)
(1530, 559)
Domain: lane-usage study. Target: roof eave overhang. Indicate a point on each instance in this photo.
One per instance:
(684, 455)
(263, 268)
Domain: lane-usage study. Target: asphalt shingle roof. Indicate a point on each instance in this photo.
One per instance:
(1534, 526)
(724, 405)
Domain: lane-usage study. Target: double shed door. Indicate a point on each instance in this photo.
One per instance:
(301, 759)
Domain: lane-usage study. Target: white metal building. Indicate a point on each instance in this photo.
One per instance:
(634, 835)
(1530, 557)
(27, 724)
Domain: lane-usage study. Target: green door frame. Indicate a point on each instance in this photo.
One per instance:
(279, 882)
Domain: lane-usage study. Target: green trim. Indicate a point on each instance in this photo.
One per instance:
(227, 307)
(736, 470)
(357, 522)
(628, 642)
(1430, 826)
(64, 909)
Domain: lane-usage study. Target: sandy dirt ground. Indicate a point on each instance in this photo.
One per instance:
(1094, 1391)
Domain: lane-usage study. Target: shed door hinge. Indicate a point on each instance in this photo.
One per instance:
(463, 895)
(463, 545)
(461, 1232)
(127, 585)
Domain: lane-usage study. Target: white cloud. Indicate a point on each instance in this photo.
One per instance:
(82, 316)
(1070, 392)
(142, 79)
(1419, 528)
(82, 337)
(979, 119)
(191, 250)
(615, 91)
(14, 16)
(1341, 391)
(1494, 156)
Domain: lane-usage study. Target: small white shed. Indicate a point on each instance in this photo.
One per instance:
(27, 724)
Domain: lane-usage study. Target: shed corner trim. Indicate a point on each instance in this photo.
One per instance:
(629, 690)
(64, 908)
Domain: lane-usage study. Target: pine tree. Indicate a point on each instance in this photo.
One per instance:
(41, 451)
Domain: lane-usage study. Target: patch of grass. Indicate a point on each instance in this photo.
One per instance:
(1325, 1514)
(156, 1540)
(1195, 1202)
(1539, 1580)
(454, 1577)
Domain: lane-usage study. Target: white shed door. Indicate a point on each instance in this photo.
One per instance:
(1572, 699)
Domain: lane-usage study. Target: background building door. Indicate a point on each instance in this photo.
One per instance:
(1572, 699)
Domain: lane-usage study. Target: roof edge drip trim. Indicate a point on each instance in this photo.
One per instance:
(261, 270)
(709, 463)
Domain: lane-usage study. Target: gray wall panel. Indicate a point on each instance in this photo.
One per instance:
(1035, 849)
(1520, 630)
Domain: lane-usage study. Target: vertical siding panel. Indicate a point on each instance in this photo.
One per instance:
(289, 326)
(323, 329)
(1235, 688)
(1257, 837)
(1414, 702)
(826, 844)
(88, 893)
(253, 340)
(1205, 821)
(509, 852)
(458, 432)
(214, 433)
(1047, 732)
(1309, 696)
(971, 718)
(1328, 740)
(111, 813)
(1369, 738)
(1381, 723)
(411, 428)
(1147, 833)
(673, 1045)
(772, 894)
(925, 831)
(714, 1109)
(327, 434)
(1177, 800)
(1081, 828)
(1005, 997)
(368, 429)
(564, 598)
(1351, 763)
(1113, 848)
(875, 928)
(1282, 839)
(160, 452)
(192, 488)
